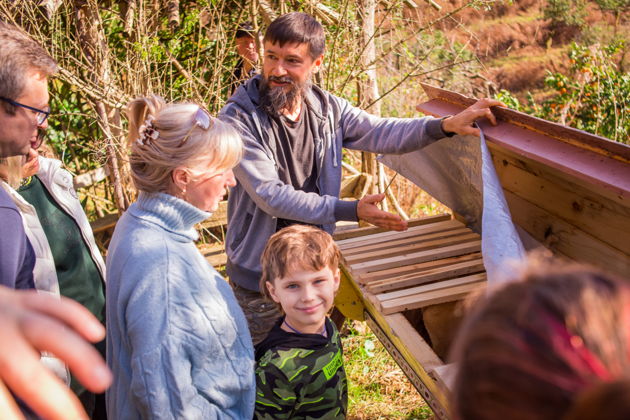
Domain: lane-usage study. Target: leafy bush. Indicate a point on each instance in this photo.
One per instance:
(593, 96)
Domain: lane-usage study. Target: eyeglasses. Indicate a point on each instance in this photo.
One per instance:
(40, 114)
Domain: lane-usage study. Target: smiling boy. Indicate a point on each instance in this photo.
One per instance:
(299, 372)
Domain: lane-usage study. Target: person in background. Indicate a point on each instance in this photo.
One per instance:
(299, 370)
(247, 50)
(294, 133)
(550, 346)
(177, 341)
(68, 261)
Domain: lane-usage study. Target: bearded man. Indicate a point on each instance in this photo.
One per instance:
(293, 134)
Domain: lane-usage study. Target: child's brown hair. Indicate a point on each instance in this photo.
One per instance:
(297, 246)
(530, 349)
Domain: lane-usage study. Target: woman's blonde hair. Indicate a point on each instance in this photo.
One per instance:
(163, 137)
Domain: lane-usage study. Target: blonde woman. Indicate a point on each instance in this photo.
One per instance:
(177, 341)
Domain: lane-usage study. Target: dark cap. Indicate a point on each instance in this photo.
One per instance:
(245, 29)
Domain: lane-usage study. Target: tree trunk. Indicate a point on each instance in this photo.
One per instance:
(96, 53)
(368, 86)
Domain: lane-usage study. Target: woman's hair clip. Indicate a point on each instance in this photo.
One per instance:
(146, 133)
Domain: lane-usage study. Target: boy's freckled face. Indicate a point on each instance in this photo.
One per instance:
(306, 296)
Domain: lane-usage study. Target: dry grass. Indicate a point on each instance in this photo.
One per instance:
(377, 388)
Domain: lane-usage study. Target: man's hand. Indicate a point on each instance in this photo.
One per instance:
(369, 212)
(462, 122)
(31, 323)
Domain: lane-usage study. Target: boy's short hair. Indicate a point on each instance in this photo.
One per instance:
(297, 246)
(298, 28)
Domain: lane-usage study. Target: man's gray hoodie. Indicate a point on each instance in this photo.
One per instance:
(260, 198)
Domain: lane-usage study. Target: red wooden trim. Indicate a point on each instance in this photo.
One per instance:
(596, 160)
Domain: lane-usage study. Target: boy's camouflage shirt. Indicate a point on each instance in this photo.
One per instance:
(300, 376)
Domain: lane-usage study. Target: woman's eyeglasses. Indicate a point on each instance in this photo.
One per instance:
(40, 114)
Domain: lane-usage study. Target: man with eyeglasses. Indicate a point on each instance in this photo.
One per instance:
(31, 322)
(24, 71)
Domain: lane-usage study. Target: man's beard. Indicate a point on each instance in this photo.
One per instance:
(279, 99)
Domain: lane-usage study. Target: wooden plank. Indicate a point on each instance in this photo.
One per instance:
(214, 253)
(388, 251)
(425, 288)
(413, 341)
(218, 218)
(419, 233)
(431, 298)
(445, 376)
(366, 278)
(353, 233)
(565, 238)
(596, 215)
(104, 223)
(417, 257)
(413, 279)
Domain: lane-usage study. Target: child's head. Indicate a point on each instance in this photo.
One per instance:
(175, 148)
(533, 347)
(301, 273)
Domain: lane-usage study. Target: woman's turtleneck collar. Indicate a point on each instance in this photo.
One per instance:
(169, 212)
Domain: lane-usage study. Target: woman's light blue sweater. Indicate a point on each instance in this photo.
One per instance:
(177, 341)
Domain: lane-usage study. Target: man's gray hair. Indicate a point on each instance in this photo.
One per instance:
(20, 55)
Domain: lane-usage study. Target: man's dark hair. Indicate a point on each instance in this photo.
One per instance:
(297, 28)
(245, 29)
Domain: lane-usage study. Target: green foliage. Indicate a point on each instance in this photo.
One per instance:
(565, 12)
(617, 7)
(377, 388)
(593, 96)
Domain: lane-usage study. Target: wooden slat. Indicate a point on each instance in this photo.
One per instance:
(417, 257)
(431, 298)
(410, 236)
(357, 232)
(414, 279)
(425, 288)
(388, 251)
(565, 238)
(349, 244)
(366, 278)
